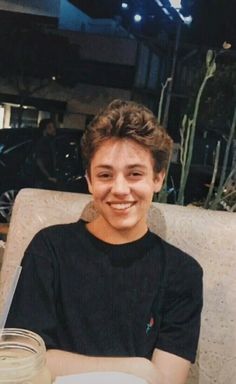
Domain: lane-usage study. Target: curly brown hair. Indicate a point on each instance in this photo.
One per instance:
(129, 120)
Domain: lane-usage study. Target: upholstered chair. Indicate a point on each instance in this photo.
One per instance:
(209, 236)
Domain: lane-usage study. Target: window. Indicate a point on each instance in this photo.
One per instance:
(29, 117)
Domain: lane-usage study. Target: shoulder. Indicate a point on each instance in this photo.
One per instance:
(174, 256)
(52, 243)
(181, 270)
(184, 273)
(56, 234)
(177, 258)
(63, 230)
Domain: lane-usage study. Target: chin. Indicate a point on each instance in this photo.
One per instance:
(122, 226)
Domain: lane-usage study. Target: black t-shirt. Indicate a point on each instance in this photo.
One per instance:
(87, 296)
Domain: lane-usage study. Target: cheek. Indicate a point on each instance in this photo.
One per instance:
(98, 190)
(95, 187)
(145, 190)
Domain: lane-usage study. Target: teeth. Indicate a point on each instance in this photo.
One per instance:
(121, 206)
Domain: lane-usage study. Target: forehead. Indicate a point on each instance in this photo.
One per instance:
(121, 151)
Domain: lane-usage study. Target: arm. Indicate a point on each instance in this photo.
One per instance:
(179, 330)
(66, 363)
(44, 171)
(173, 368)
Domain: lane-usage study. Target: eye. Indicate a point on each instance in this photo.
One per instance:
(136, 174)
(104, 175)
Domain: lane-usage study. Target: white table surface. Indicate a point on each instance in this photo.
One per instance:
(100, 378)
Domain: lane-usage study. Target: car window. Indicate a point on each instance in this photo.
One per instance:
(68, 157)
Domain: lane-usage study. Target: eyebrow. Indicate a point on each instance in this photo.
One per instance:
(131, 166)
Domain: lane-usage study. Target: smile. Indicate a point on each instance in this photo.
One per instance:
(121, 206)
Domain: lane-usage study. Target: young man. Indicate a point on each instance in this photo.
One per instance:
(109, 295)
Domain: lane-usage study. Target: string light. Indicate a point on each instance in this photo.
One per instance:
(176, 4)
(124, 5)
(137, 17)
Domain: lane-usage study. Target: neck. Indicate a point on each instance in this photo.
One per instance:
(108, 234)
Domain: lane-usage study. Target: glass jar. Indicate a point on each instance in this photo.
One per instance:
(22, 358)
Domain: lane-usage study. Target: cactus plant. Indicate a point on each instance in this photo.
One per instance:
(188, 139)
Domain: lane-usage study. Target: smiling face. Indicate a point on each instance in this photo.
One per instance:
(122, 182)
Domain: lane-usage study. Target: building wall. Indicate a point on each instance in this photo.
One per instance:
(83, 100)
(71, 18)
(7, 116)
(50, 8)
(114, 50)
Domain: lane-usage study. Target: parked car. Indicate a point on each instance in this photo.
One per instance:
(17, 162)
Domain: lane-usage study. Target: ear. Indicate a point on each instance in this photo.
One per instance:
(87, 177)
(158, 180)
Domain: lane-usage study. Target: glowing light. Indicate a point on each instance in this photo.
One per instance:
(176, 4)
(124, 5)
(137, 17)
(1, 121)
(165, 11)
(186, 19)
(54, 78)
(226, 45)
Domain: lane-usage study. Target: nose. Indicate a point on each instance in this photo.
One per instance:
(120, 185)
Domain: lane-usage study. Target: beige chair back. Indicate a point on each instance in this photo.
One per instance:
(209, 236)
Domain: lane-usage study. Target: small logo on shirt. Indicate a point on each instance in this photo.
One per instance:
(149, 325)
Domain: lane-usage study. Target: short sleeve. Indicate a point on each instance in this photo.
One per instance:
(181, 309)
(33, 305)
